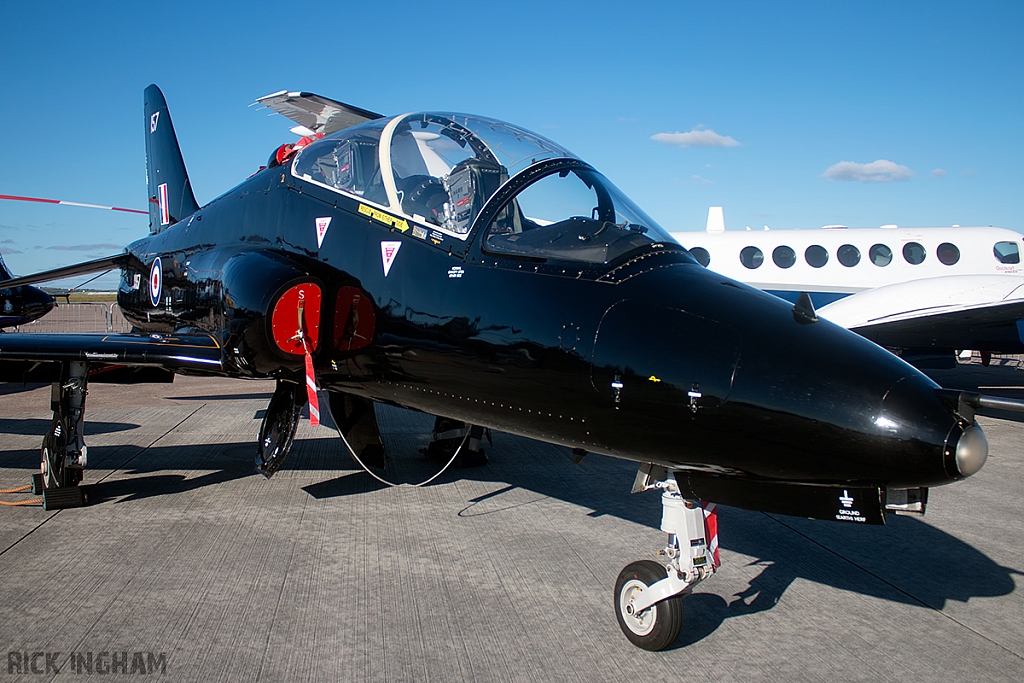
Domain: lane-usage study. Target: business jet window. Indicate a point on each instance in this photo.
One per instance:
(1006, 252)
(880, 254)
(948, 254)
(848, 255)
(816, 256)
(702, 255)
(784, 257)
(914, 253)
(751, 257)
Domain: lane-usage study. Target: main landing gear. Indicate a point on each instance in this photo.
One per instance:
(648, 595)
(280, 422)
(64, 453)
(353, 415)
(451, 434)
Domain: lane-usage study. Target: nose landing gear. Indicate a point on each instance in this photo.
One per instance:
(648, 595)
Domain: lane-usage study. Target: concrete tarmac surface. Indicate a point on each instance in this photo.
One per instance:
(189, 566)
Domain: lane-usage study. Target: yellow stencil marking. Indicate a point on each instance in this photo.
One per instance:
(385, 218)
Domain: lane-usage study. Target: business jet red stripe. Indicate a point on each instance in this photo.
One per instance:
(66, 203)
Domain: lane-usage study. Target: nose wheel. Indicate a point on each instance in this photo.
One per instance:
(655, 627)
(649, 595)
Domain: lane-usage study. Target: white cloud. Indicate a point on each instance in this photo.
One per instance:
(698, 137)
(702, 181)
(880, 171)
(102, 246)
(938, 173)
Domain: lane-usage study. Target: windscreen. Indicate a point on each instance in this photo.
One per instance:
(572, 214)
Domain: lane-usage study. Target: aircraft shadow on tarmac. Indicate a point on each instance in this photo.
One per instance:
(32, 426)
(7, 388)
(896, 562)
(222, 463)
(225, 397)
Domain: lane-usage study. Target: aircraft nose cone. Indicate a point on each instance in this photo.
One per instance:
(971, 451)
(915, 414)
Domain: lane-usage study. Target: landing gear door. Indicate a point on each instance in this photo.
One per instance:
(663, 359)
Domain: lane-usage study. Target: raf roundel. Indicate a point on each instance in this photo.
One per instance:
(156, 277)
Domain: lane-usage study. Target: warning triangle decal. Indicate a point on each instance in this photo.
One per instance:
(321, 229)
(388, 251)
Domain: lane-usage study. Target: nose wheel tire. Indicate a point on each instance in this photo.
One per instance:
(656, 627)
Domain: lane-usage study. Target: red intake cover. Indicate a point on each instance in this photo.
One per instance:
(354, 320)
(285, 322)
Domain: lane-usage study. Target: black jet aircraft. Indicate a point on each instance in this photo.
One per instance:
(23, 304)
(471, 269)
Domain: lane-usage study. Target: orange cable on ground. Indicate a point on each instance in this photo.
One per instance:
(20, 489)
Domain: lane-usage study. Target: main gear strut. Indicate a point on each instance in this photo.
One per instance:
(64, 453)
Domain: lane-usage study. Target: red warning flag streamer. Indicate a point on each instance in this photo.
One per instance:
(314, 403)
(711, 531)
(60, 201)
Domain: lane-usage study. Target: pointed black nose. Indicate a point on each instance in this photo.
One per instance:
(970, 451)
(921, 418)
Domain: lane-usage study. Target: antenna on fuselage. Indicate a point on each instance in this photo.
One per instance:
(716, 219)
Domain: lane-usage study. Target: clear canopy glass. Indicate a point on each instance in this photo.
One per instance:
(439, 169)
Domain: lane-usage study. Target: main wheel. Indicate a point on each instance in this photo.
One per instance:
(51, 457)
(656, 627)
(278, 428)
(443, 448)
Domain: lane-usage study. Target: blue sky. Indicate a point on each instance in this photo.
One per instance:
(774, 97)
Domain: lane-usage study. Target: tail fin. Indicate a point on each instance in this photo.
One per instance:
(170, 192)
(4, 273)
(716, 219)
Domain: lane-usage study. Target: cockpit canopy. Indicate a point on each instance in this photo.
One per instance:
(440, 169)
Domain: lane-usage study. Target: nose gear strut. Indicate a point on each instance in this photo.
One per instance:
(648, 595)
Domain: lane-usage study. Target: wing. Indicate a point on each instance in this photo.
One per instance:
(28, 356)
(319, 114)
(956, 312)
(992, 328)
(95, 266)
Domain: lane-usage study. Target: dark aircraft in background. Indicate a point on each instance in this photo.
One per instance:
(22, 304)
(473, 270)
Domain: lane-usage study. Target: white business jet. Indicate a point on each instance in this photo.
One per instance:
(922, 291)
